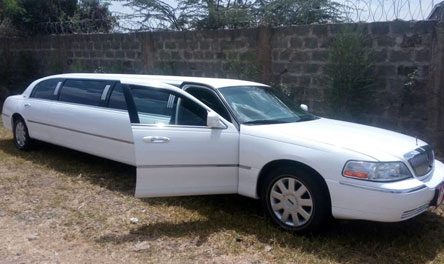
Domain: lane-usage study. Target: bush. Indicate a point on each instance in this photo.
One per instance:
(350, 76)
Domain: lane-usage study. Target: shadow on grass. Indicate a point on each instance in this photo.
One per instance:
(112, 175)
(416, 240)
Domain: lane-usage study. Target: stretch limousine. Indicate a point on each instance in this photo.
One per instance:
(196, 136)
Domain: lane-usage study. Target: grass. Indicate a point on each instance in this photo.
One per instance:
(59, 205)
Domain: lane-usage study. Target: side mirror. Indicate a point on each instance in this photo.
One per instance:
(304, 107)
(213, 121)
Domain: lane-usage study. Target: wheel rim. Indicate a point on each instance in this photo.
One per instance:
(20, 134)
(291, 201)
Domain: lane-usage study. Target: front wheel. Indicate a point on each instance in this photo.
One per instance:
(295, 199)
(21, 135)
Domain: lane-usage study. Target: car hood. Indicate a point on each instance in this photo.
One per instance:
(377, 143)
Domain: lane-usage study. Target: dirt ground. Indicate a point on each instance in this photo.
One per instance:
(62, 206)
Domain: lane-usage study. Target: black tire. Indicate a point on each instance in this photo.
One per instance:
(320, 211)
(21, 135)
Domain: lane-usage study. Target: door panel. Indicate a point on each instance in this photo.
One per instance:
(37, 113)
(192, 161)
(96, 130)
(183, 181)
(196, 145)
(37, 109)
(177, 154)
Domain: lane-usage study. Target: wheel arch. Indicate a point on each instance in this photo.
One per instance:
(286, 162)
(14, 117)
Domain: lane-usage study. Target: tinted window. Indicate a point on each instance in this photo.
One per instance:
(82, 91)
(190, 113)
(157, 106)
(210, 99)
(153, 101)
(117, 99)
(45, 89)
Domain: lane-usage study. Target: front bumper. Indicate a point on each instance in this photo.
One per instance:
(384, 202)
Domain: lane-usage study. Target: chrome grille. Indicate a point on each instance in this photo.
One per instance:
(421, 160)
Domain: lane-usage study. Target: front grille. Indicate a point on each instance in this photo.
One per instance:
(421, 160)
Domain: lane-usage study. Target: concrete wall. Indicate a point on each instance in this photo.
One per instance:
(292, 58)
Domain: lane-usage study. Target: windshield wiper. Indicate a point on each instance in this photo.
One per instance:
(264, 122)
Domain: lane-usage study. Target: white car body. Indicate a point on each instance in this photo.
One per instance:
(204, 160)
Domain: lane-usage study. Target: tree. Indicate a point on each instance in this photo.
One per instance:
(218, 14)
(50, 16)
(95, 16)
(294, 12)
(228, 14)
(151, 15)
(40, 11)
(9, 8)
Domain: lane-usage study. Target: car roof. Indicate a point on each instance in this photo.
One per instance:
(173, 80)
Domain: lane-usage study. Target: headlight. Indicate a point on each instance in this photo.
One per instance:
(376, 171)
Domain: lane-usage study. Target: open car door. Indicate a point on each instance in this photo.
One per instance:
(181, 146)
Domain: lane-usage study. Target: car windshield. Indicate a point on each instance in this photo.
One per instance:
(253, 105)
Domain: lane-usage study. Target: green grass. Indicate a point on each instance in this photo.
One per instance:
(81, 206)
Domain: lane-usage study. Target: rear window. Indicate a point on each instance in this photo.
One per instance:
(86, 92)
(45, 89)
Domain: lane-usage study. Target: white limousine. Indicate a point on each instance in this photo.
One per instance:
(196, 136)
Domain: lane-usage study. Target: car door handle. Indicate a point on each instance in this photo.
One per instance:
(27, 105)
(156, 139)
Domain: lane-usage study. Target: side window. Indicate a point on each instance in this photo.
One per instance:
(117, 99)
(86, 92)
(45, 89)
(210, 99)
(157, 106)
(152, 101)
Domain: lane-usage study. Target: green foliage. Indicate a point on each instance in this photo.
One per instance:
(350, 76)
(245, 69)
(30, 15)
(80, 66)
(55, 65)
(211, 14)
(9, 8)
(410, 85)
(39, 11)
(114, 67)
(101, 19)
(228, 14)
(294, 12)
(165, 68)
(151, 15)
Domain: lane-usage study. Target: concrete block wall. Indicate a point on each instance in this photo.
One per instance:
(292, 58)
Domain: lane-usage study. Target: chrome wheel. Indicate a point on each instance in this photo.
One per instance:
(20, 134)
(291, 201)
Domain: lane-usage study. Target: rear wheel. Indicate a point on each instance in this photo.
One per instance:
(295, 199)
(21, 135)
